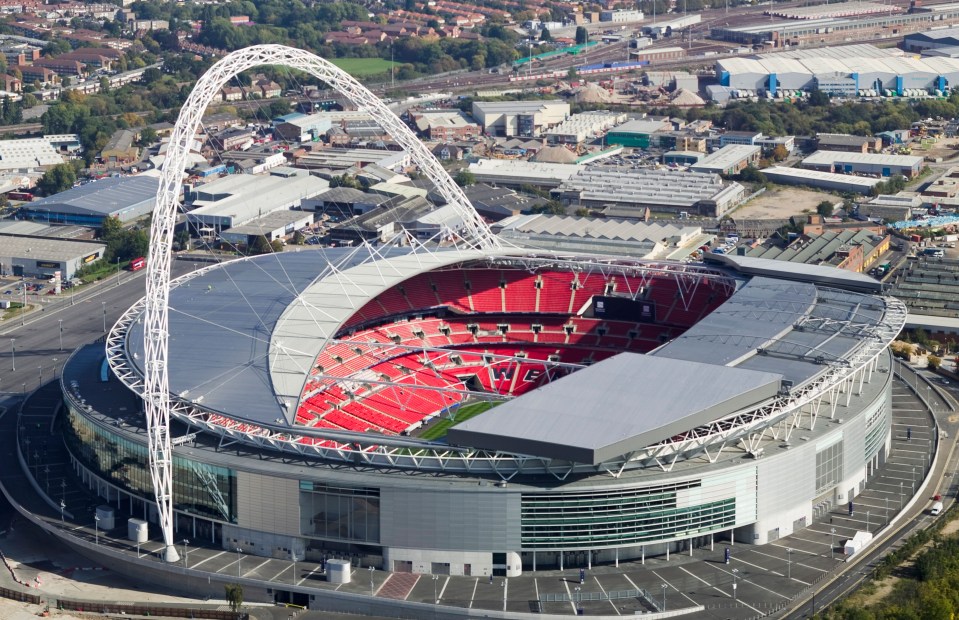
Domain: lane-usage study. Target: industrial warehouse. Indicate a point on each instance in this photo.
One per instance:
(842, 71)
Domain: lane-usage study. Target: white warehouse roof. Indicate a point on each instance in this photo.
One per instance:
(820, 158)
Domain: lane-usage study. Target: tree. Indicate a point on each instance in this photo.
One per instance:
(148, 136)
(299, 238)
(464, 178)
(181, 240)
(582, 35)
(545, 36)
(824, 208)
(261, 246)
(751, 174)
(818, 98)
(234, 596)
(780, 153)
(59, 178)
(933, 362)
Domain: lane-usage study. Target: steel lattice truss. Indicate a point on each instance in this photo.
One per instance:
(156, 320)
(774, 420)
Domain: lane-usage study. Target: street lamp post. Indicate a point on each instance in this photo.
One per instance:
(118, 271)
(96, 528)
(239, 557)
(13, 353)
(832, 544)
(664, 586)
(579, 598)
(867, 520)
(505, 581)
(789, 563)
(40, 370)
(293, 557)
(63, 505)
(103, 304)
(371, 581)
(60, 321)
(435, 577)
(735, 579)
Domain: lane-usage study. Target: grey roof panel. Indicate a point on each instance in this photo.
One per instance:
(604, 411)
(104, 197)
(220, 333)
(829, 276)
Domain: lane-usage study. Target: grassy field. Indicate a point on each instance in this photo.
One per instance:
(438, 429)
(15, 310)
(363, 67)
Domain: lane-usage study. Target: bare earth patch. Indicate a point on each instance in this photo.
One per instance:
(780, 203)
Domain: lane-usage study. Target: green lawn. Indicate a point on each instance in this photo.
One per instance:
(363, 67)
(438, 428)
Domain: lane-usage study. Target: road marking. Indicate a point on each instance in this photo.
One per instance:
(208, 559)
(743, 578)
(603, 590)
(280, 573)
(755, 584)
(666, 581)
(473, 597)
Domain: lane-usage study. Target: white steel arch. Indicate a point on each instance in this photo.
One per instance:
(155, 315)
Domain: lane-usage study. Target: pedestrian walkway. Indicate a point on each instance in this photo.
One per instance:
(755, 581)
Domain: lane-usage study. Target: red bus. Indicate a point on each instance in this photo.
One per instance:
(137, 264)
(25, 196)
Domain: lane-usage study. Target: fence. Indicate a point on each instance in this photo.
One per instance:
(149, 610)
(578, 597)
(23, 597)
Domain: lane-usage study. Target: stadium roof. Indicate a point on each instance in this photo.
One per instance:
(606, 410)
(840, 278)
(244, 338)
(111, 196)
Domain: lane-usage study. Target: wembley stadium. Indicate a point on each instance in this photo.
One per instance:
(493, 411)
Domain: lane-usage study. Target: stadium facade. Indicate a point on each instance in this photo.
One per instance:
(642, 407)
(339, 402)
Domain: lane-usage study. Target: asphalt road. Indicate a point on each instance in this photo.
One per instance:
(32, 353)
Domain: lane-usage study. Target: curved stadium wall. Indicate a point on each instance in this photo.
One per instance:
(271, 502)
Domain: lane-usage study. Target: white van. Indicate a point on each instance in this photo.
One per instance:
(936, 509)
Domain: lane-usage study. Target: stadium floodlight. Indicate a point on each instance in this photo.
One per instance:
(155, 316)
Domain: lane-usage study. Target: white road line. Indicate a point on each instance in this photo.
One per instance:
(473, 598)
(603, 590)
(207, 559)
(750, 582)
(757, 566)
(272, 579)
(259, 566)
(443, 589)
(666, 581)
(743, 578)
(572, 603)
(694, 576)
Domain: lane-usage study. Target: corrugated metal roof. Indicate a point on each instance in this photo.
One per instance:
(621, 404)
(104, 197)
